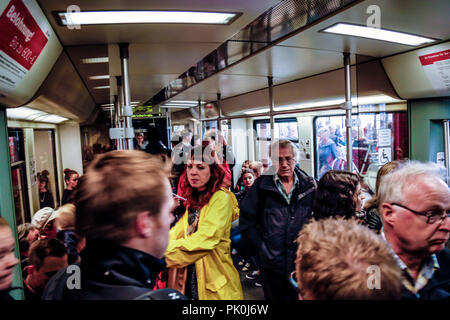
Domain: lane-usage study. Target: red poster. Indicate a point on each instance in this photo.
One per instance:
(434, 57)
(21, 38)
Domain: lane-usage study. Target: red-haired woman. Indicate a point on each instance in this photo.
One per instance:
(200, 240)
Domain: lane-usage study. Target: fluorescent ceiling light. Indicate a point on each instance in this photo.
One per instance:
(257, 111)
(365, 100)
(378, 34)
(28, 114)
(101, 87)
(106, 76)
(95, 60)
(115, 17)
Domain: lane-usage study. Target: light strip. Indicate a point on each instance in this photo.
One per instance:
(106, 76)
(257, 111)
(95, 60)
(365, 100)
(101, 87)
(28, 114)
(116, 17)
(378, 34)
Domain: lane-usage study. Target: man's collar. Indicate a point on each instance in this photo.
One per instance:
(428, 260)
(277, 179)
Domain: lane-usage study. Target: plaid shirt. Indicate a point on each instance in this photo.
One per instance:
(280, 187)
(429, 266)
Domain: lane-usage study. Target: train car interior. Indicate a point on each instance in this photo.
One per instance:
(76, 80)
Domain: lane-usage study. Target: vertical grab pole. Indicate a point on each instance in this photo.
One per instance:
(219, 119)
(272, 125)
(271, 103)
(348, 110)
(446, 124)
(200, 131)
(128, 111)
(119, 105)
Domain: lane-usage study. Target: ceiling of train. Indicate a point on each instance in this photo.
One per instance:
(160, 53)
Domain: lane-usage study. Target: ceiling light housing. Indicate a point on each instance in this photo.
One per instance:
(106, 76)
(362, 31)
(28, 114)
(64, 18)
(95, 60)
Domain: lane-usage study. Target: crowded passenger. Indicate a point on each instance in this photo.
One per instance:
(45, 195)
(327, 151)
(71, 179)
(65, 226)
(47, 257)
(248, 177)
(414, 203)
(199, 248)
(240, 183)
(273, 212)
(339, 194)
(373, 219)
(123, 210)
(44, 221)
(8, 261)
(140, 143)
(27, 234)
(257, 168)
(342, 260)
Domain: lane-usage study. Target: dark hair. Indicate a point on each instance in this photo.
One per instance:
(43, 177)
(213, 185)
(335, 195)
(43, 248)
(68, 173)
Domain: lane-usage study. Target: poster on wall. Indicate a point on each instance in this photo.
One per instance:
(437, 68)
(24, 34)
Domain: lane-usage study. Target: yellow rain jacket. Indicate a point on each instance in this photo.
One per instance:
(209, 248)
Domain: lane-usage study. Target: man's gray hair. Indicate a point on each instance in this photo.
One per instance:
(280, 144)
(392, 185)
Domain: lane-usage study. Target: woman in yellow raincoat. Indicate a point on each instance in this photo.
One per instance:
(201, 238)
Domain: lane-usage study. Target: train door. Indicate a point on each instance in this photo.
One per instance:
(18, 173)
(45, 155)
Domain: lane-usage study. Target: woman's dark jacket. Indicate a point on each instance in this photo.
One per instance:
(270, 226)
(68, 196)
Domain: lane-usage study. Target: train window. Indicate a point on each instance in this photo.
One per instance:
(286, 128)
(178, 128)
(378, 139)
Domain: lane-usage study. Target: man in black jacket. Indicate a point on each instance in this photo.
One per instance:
(272, 214)
(414, 204)
(124, 207)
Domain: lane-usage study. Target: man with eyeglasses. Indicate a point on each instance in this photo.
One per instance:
(272, 213)
(46, 258)
(415, 205)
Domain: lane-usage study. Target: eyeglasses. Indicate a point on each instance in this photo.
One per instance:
(287, 159)
(432, 215)
(294, 283)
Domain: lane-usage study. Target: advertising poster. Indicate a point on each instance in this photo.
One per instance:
(25, 32)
